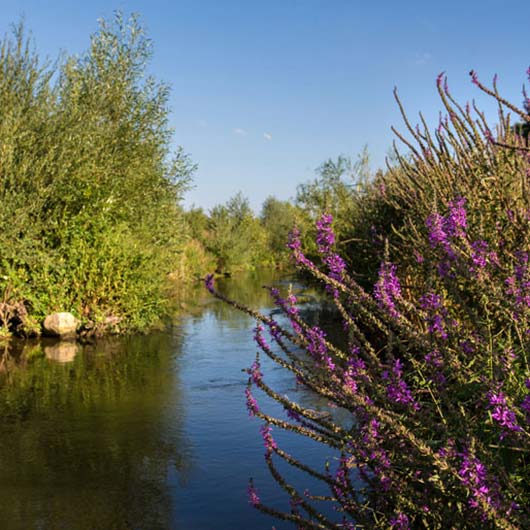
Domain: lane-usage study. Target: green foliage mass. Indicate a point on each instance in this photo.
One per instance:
(90, 219)
(278, 219)
(341, 188)
(235, 235)
(231, 237)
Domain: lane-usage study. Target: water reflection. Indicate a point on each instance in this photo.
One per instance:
(87, 444)
(62, 351)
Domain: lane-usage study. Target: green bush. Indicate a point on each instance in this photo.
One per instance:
(235, 236)
(90, 219)
(277, 219)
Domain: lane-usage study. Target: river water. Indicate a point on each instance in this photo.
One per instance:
(145, 432)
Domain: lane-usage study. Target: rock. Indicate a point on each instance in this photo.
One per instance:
(61, 325)
(62, 352)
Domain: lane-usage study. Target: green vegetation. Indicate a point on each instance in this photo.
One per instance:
(235, 236)
(90, 221)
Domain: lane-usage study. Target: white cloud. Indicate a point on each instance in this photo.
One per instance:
(422, 58)
(240, 132)
(267, 136)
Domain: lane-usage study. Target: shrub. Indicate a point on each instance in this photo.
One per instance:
(90, 220)
(277, 219)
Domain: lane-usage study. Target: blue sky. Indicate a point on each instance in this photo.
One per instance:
(264, 91)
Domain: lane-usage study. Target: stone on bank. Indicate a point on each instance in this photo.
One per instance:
(62, 325)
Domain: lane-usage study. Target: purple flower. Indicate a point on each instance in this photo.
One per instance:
(400, 522)
(481, 256)
(274, 329)
(448, 451)
(255, 372)
(434, 361)
(336, 266)
(370, 448)
(456, 220)
(317, 348)
(325, 235)
(268, 440)
(340, 487)
(521, 268)
(354, 371)
(373, 429)
(289, 306)
(294, 242)
(325, 241)
(252, 404)
(437, 235)
(525, 405)
(442, 229)
(253, 497)
(502, 414)
(484, 489)
(258, 337)
(518, 284)
(295, 245)
(208, 282)
(397, 389)
(387, 289)
(435, 315)
(444, 268)
(431, 301)
(467, 346)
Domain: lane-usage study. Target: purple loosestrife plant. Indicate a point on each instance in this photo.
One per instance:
(430, 430)
(431, 377)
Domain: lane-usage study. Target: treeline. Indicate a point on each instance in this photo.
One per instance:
(232, 237)
(91, 217)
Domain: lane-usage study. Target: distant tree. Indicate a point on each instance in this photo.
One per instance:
(235, 235)
(333, 191)
(278, 218)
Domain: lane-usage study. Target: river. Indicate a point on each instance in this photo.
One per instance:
(145, 432)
